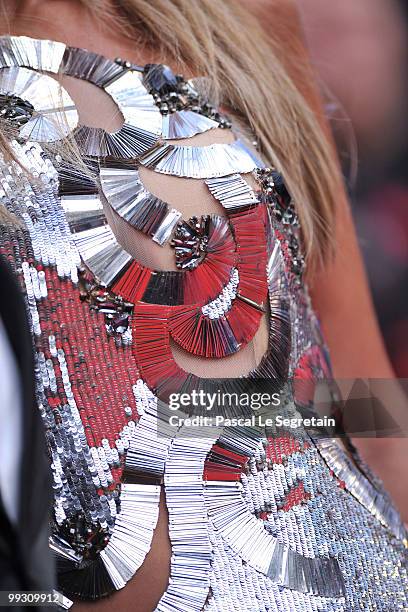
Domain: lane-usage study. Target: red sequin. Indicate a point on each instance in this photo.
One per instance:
(296, 496)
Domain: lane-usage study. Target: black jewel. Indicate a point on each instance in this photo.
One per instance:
(160, 78)
(281, 190)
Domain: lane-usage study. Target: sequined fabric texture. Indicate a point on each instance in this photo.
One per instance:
(259, 520)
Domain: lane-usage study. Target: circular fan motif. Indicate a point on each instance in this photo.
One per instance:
(142, 119)
(233, 471)
(36, 104)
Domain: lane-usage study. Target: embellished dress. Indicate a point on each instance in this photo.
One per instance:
(258, 520)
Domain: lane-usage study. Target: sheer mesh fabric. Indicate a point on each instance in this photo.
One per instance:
(191, 197)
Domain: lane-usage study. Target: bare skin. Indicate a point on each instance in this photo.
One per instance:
(351, 330)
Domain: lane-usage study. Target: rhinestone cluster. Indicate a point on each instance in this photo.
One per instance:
(278, 199)
(190, 242)
(15, 110)
(173, 93)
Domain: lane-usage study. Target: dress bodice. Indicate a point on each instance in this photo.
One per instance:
(259, 519)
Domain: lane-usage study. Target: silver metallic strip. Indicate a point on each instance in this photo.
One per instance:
(199, 162)
(360, 487)
(164, 232)
(122, 188)
(125, 192)
(136, 104)
(246, 535)
(253, 154)
(185, 124)
(233, 192)
(91, 141)
(148, 451)
(274, 269)
(191, 548)
(102, 254)
(275, 363)
(133, 532)
(90, 67)
(142, 119)
(128, 143)
(94, 239)
(63, 549)
(42, 55)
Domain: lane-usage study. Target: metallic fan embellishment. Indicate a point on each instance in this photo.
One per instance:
(126, 194)
(190, 242)
(36, 105)
(185, 112)
(205, 162)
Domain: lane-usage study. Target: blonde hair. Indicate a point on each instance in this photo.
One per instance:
(254, 75)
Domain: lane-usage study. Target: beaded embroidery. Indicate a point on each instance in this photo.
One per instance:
(258, 521)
